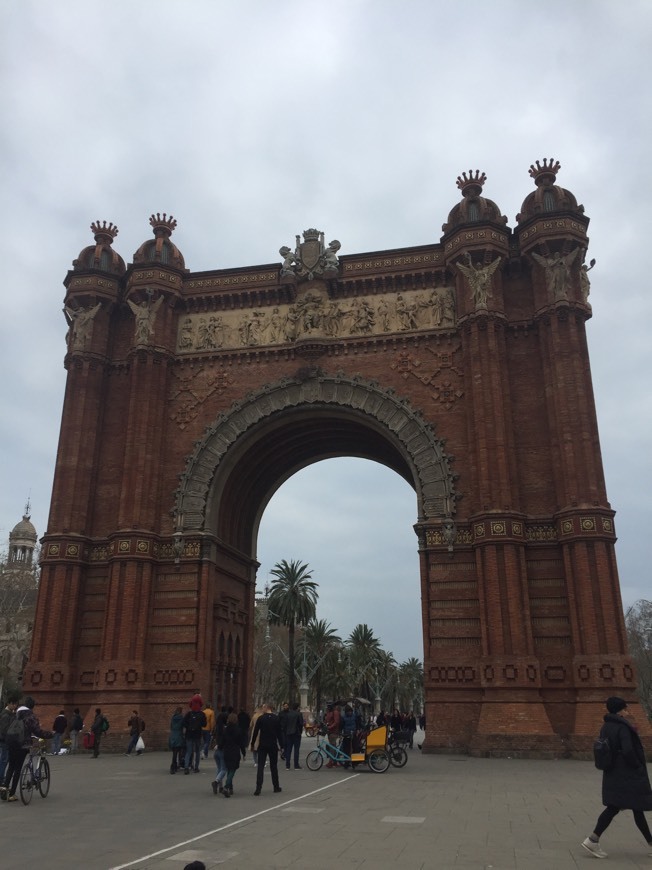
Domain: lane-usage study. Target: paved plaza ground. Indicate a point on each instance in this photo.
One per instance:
(119, 813)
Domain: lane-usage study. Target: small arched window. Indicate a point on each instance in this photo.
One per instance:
(473, 211)
(549, 200)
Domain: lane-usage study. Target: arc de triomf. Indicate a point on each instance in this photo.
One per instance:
(462, 365)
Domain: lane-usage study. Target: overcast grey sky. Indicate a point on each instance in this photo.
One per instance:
(251, 121)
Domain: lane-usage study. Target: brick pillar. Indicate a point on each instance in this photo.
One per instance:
(600, 664)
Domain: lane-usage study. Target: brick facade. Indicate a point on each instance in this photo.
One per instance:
(462, 365)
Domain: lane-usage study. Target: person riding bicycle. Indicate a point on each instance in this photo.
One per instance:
(19, 745)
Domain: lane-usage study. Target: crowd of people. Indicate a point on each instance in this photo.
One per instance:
(266, 734)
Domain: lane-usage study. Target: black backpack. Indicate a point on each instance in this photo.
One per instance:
(6, 718)
(16, 732)
(603, 754)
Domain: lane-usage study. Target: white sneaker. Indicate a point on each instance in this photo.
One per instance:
(594, 848)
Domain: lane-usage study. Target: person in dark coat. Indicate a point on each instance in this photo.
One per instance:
(626, 785)
(233, 745)
(176, 740)
(97, 730)
(267, 732)
(18, 750)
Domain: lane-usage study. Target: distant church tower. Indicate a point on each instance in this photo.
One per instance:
(22, 542)
(18, 591)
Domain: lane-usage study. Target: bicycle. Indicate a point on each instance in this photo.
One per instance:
(35, 774)
(374, 754)
(396, 747)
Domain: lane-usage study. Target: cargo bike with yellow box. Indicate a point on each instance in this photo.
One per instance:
(372, 752)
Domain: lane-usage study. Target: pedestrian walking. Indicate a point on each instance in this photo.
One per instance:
(207, 733)
(98, 728)
(293, 731)
(258, 712)
(233, 744)
(626, 784)
(267, 735)
(24, 726)
(76, 727)
(220, 764)
(58, 730)
(136, 726)
(177, 741)
(6, 718)
(193, 724)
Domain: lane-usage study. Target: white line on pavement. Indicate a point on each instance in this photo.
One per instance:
(232, 824)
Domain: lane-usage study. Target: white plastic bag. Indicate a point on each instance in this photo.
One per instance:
(140, 744)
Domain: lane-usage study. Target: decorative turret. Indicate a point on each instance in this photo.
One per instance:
(161, 250)
(548, 197)
(476, 243)
(22, 541)
(474, 208)
(101, 255)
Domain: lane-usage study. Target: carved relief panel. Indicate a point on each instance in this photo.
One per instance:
(315, 315)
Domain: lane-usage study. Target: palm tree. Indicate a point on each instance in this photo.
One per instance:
(292, 601)
(387, 680)
(321, 645)
(410, 685)
(364, 653)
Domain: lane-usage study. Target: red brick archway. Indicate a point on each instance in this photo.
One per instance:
(461, 365)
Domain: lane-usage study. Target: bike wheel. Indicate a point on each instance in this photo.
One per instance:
(314, 760)
(26, 784)
(378, 760)
(43, 774)
(398, 756)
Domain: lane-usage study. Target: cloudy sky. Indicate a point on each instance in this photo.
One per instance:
(251, 121)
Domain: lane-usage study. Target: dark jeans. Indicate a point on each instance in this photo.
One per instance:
(96, 743)
(292, 744)
(4, 758)
(263, 755)
(206, 739)
(228, 783)
(193, 750)
(607, 816)
(17, 755)
(132, 743)
(178, 754)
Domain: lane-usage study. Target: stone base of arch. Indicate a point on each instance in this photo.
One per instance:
(493, 726)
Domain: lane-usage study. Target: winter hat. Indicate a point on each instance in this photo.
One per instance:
(615, 704)
(29, 702)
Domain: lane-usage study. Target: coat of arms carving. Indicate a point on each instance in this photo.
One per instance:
(311, 258)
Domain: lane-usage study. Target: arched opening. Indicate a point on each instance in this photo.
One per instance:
(248, 453)
(351, 521)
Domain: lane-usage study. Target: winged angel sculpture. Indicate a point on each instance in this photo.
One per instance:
(479, 278)
(145, 314)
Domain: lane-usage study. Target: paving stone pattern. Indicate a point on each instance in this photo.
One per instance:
(119, 813)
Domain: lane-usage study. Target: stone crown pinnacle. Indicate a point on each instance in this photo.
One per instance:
(544, 171)
(104, 232)
(162, 224)
(471, 184)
